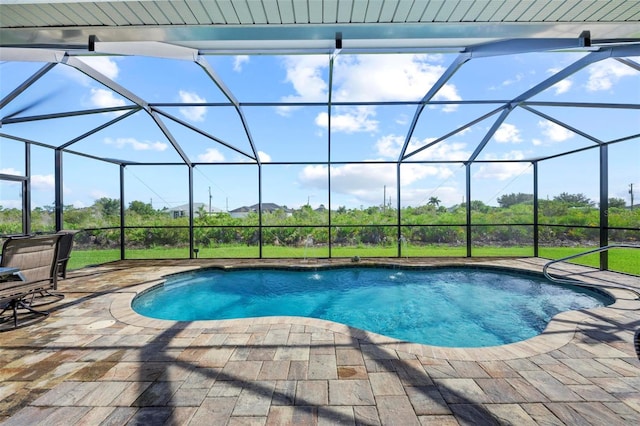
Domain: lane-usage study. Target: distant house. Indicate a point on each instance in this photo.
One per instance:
(242, 212)
(183, 210)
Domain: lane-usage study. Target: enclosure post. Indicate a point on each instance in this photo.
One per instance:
(468, 189)
(604, 206)
(58, 190)
(399, 215)
(191, 247)
(122, 224)
(329, 233)
(259, 210)
(329, 239)
(536, 230)
(26, 191)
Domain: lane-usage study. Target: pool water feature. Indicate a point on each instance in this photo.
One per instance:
(453, 307)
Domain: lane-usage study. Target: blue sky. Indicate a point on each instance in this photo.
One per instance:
(300, 133)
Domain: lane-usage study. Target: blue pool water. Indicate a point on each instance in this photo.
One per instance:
(453, 307)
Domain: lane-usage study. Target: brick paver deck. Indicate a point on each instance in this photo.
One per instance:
(95, 361)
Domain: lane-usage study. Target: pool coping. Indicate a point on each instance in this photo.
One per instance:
(559, 332)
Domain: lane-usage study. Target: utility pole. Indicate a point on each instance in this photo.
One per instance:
(209, 200)
(631, 192)
(384, 197)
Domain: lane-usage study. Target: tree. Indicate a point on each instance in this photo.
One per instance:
(143, 209)
(434, 201)
(77, 218)
(512, 199)
(479, 206)
(617, 203)
(108, 206)
(574, 200)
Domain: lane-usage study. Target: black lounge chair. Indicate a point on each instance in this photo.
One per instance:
(65, 245)
(36, 259)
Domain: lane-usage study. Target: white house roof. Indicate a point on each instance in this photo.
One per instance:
(196, 206)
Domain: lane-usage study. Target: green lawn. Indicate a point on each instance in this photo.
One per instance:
(621, 260)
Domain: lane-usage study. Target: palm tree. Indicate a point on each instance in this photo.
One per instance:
(434, 201)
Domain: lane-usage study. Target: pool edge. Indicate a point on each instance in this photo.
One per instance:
(560, 330)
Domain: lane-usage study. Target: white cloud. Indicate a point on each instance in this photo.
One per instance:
(103, 98)
(98, 97)
(413, 172)
(192, 113)
(96, 194)
(465, 131)
(238, 61)
(503, 171)
(365, 78)
(11, 171)
(211, 155)
(603, 75)
(517, 78)
(562, 86)
(264, 157)
(103, 64)
(11, 204)
(507, 133)
(365, 182)
(388, 78)
(553, 132)
(42, 182)
(349, 120)
(15, 203)
(448, 93)
(500, 171)
(389, 146)
(359, 180)
(403, 119)
(304, 72)
(136, 144)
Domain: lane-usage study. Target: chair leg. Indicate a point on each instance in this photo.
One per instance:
(46, 293)
(62, 269)
(23, 305)
(19, 304)
(10, 305)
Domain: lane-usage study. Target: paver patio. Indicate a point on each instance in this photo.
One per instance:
(95, 361)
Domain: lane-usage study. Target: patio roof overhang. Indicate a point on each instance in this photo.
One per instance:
(266, 26)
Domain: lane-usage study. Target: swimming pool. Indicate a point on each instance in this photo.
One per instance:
(454, 307)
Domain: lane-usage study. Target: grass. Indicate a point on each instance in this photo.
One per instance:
(620, 260)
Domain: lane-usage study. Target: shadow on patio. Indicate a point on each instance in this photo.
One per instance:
(82, 365)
